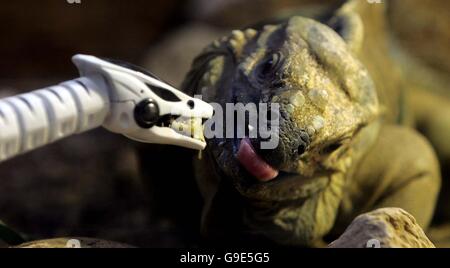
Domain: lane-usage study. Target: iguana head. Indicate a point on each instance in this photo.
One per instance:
(325, 98)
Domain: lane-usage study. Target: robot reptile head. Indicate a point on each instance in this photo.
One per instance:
(144, 108)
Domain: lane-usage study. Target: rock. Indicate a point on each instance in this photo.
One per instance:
(73, 243)
(386, 228)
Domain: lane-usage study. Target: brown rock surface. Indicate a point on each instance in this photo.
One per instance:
(392, 227)
(69, 242)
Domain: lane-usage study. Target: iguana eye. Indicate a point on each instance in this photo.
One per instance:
(269, 65)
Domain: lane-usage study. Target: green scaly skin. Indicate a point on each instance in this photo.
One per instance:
(337, 83)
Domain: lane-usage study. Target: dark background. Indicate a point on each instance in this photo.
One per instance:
(94, 184)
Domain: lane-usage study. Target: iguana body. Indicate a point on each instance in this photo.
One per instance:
(345, 143)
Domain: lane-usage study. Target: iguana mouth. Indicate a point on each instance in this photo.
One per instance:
(253, 163)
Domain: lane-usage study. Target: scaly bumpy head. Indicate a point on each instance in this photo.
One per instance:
(325, 96)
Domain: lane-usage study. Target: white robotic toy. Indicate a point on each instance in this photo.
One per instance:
(123, 98)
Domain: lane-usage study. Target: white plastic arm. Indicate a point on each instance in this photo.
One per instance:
(43, 116)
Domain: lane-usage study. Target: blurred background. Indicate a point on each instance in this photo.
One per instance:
(96, 184)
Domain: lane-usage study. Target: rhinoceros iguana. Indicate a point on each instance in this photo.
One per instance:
(347, 143)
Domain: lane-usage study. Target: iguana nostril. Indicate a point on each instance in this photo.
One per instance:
(304, 143)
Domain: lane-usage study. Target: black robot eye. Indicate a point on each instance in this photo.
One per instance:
(146, 113)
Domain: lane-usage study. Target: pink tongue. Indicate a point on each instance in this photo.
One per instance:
(253, 163)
